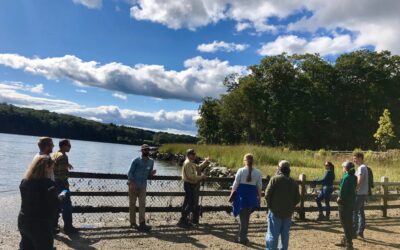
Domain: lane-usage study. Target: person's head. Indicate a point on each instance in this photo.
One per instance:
(248, 161)
(329, 166)
(284, 168)
(65, 145)
(45, 145)
(358, 158)
(145, 149)
(40, 168)
(348, 167)
(191, 154)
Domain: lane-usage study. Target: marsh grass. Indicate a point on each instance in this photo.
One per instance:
(308, 162)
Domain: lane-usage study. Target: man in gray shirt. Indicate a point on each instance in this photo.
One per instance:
(361, 195)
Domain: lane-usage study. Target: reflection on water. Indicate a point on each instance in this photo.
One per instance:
(17, 151)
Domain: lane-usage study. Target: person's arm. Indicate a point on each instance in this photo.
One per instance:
(152, 171)
(343, 190)
(259, 187)
(323, 180)
(203, 165)
(131, 174)
(236, 182)
(269, 191)
(360, 178)
(70, 167)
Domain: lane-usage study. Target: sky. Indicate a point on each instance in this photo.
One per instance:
(149, 63)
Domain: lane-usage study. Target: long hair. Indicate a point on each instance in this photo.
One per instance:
(246, 157)
(331, 167)
(37, 169)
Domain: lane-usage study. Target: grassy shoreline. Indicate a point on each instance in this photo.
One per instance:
(303, 161)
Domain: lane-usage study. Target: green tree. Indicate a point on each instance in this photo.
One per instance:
(208, 123)
(384, 136)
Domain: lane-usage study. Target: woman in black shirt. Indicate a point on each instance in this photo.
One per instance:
(39, 206)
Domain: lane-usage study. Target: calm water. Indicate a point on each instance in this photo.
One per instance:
(17, 151)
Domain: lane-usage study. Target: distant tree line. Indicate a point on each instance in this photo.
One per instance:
(27, 121)
(305, 101)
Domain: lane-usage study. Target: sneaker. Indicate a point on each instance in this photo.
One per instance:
(342, 243)
(134, 225)
(143, 227)
(361, 234)
(184, 224)
(71, 230)
(243, 242)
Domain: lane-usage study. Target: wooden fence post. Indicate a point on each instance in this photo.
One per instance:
(385, 192)
(302, 212)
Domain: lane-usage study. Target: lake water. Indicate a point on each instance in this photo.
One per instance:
(17, 151)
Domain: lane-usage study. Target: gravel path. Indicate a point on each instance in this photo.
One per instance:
(217, 231)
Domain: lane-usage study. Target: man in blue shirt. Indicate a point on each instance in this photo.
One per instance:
(141, 169)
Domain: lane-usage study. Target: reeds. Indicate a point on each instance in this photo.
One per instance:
(308, 162)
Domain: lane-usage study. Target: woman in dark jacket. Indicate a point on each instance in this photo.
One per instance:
(39, 206)
(326, 190)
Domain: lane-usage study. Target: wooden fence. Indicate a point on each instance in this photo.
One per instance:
(384, 196)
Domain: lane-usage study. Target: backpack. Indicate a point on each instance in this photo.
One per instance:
(370, 180)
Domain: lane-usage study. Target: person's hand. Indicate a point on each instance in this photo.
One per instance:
(339, 201)
(153, 172)
(70, 167)
(207, 159)
(203, 177)
(132, 186)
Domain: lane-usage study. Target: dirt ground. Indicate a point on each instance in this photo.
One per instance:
(217, 231)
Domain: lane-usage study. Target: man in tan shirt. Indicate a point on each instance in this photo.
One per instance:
(191, 177)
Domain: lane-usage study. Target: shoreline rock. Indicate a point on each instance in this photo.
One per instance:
(213, 170)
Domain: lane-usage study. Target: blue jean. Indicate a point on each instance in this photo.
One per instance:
(66, 204)
(325, 195)
(359, 214)
(277, 227)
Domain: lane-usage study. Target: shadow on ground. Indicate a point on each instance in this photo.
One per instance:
(223, 231)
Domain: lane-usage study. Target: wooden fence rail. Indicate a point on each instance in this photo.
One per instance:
(302, 209)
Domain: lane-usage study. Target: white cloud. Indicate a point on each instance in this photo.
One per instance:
(193, 14)
(374, 22)
(221, 46)
(120, 96)
(91, 4)
(181, 120)
(200, 78)
(36, 89)
(10, 94)
(83, 91)
(296, 45)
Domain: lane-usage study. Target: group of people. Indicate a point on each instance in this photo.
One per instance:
(44, 194)
(281, 195)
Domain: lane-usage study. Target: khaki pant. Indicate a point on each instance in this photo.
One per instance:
(141, 194)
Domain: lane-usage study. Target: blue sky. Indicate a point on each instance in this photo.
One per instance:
(149, 63)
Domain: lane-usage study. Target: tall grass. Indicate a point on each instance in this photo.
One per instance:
(308, 162)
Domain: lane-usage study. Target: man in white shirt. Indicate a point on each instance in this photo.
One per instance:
(361, 195)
